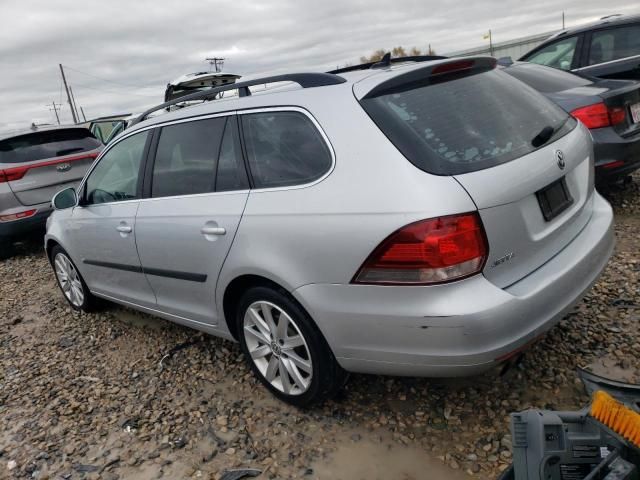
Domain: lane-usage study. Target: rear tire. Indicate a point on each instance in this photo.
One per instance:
(71, 283)
(285, 349)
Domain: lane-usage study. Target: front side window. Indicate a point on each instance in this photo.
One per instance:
(186, 158)
(614, 44)
(558, 54)
(115, 177)
(284, 148)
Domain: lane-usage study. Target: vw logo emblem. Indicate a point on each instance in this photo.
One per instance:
(560, 159)
(64, 167)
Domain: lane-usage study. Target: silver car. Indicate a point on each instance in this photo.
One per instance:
(35, 164)
(423, 218)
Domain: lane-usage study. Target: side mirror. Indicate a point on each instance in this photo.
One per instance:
(66, 198)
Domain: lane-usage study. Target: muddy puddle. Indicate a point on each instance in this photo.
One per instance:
(381, 459)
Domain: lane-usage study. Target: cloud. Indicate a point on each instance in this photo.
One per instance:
(119, 55)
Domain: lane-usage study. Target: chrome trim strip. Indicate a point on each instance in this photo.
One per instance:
(607, 63)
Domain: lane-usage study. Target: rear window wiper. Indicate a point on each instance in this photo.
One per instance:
(543, 136)
(547, 133)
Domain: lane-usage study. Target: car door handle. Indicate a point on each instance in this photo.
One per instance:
(124, 229)
(213, 230)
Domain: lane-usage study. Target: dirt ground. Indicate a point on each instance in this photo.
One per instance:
(119, 395)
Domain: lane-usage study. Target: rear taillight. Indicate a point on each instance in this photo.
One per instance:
(599, 115)
(430, 251)
(18, 216)
(16, 173)
(11, 174)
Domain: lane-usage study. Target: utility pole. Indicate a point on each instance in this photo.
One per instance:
(563, 19)
(66, 87)
(73, 100)
(83, 115)
(490, 44)
(55, 109)
(216, 62)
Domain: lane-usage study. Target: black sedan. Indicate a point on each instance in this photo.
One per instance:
(610, 109)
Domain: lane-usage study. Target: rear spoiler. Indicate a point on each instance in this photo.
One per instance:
(431, 74)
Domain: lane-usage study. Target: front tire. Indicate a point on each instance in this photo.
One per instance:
(285, 349)
(70, 281)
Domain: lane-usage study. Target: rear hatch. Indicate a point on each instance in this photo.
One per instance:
(525, 162)
(37, 165)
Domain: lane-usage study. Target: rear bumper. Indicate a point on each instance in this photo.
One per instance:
(460, 328)
(609, 147)
(15, 228)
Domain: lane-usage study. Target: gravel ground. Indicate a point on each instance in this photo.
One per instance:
(113, 396)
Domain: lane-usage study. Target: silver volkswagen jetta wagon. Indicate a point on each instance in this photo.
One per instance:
(423, 218)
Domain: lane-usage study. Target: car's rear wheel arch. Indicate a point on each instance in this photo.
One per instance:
(234, 292)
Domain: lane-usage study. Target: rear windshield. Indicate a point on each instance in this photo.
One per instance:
(47, 144)
(546, 79)
(466, 123)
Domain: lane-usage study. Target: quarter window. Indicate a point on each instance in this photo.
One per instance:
(115, 177)
(614, 44)
(284, 148)
(185, 161)
(558, 54)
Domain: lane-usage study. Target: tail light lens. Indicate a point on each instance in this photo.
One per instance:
(427, 252)
(16, 173)
(599, 115)
(11, 174)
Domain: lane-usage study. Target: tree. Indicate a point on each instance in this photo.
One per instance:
(396, 52)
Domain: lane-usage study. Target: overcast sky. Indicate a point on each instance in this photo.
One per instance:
(119, 55)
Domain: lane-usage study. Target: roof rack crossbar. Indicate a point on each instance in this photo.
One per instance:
(305, 80)
(385, 62)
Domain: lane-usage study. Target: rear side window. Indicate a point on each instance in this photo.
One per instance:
(545, 79)
(47, 144)
(614, 44)
(466, 124)
(186, 158)
(284, 148)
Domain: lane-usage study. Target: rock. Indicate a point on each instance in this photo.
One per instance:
(65, 342)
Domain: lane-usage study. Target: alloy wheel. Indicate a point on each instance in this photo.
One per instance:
(69, 279)
(277, 348)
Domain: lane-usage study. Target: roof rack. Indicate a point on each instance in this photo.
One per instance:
(386, 61)
(305, 80)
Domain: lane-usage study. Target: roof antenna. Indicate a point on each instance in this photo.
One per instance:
(385, 61)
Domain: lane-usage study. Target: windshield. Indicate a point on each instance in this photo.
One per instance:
(468, 123)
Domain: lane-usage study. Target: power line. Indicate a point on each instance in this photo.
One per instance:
(105, 79)
(76, 84)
